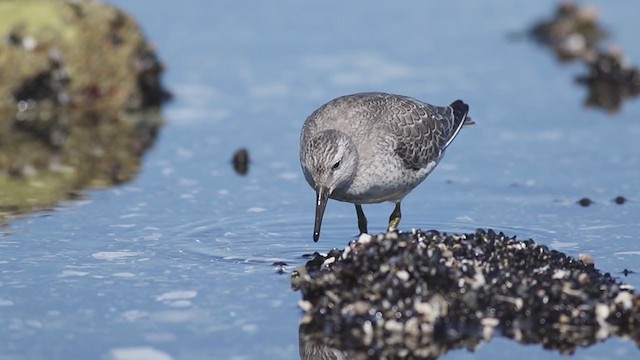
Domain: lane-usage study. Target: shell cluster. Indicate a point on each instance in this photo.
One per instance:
(420, 294)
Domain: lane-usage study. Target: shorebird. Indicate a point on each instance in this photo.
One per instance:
(373, 147)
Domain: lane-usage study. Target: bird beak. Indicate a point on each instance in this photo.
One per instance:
(322, 195)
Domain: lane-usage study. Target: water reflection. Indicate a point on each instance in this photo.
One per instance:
(610, 81)
(316, 345)
(45, 161)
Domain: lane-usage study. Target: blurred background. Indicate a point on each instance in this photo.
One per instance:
(126, 231)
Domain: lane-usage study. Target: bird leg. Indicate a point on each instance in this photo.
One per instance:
(362, 220)
(394, 219)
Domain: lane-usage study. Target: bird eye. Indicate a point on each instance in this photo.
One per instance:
(336, 166)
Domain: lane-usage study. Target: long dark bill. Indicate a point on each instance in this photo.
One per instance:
(322, 195)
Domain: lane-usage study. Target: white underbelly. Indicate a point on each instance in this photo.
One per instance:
(383, 184)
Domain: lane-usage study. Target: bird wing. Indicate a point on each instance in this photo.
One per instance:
(422, 131)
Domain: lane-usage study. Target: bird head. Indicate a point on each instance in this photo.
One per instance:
(329, 162)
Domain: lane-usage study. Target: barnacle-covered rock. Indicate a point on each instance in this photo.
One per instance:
(420, 294)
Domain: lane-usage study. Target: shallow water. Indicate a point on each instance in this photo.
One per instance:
(179, 261)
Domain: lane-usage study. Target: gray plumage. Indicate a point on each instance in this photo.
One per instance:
(374, 147)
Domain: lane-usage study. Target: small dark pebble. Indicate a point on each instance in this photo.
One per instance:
(418, 295)
(280, 267)
(585, 202)
(241, 161)
(620, 200)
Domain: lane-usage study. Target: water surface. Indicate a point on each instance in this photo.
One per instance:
(179, 261)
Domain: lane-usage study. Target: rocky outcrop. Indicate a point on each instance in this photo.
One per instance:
(418, 295)
(80, 91)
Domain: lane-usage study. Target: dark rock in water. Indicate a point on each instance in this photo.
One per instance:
(418, 295)
(240, 161)
(281, 267)
(585, 202)
(627, 272)
(620, 200)
(572, 32)
(611, 80)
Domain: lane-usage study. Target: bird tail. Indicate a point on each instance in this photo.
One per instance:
(460, 111)
(460, 118)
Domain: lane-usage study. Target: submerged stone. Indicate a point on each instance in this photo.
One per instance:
(240, 161)
(585, 202)
(620, 200)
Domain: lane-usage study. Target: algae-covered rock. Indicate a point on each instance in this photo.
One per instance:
(80, 93)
